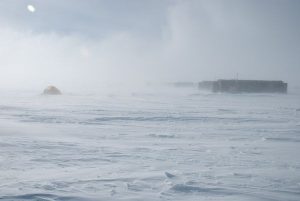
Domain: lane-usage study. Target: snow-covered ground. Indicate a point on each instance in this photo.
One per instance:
(169, 145)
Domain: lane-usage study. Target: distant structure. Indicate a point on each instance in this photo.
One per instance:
(51, 90)
(244, 86)
(206, 85)
(184, 84)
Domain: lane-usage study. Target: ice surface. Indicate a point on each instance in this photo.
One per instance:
(150, 145)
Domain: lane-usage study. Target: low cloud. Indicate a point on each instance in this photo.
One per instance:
(197, 40)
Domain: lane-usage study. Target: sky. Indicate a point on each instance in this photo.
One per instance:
(91, 43)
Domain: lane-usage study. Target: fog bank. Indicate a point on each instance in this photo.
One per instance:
(98, 43)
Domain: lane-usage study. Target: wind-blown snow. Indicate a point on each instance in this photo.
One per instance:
(172, 145)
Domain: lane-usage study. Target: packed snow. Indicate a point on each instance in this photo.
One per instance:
(176, 144)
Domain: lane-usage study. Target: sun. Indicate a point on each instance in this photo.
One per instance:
(31, 8)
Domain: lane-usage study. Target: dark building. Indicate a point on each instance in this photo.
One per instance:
(246, 86)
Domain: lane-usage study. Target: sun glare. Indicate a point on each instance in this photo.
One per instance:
(31, 8)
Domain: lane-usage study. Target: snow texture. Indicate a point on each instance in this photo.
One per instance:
(154, 145)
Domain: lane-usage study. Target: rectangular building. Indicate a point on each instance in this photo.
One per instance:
(245, 86)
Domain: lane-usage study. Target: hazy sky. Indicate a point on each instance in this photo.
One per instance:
(87, 43)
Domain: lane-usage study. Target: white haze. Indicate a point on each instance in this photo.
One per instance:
(186, 41)
(108, 137)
